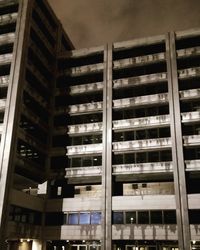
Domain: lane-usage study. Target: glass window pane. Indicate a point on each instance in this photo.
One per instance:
(129, 158)
(76, 140)
(87, 139)
(97, 161)
(95, 218)
(118, 218)
(87, 161)
(75, 162)
(130, 217)
(84, 218)
(73, 219)
(117, 159)
(170, 217)
(143, 217)
(156, 217)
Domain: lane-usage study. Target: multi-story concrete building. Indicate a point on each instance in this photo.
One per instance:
(100, 147)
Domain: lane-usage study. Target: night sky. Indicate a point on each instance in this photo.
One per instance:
(97, 22)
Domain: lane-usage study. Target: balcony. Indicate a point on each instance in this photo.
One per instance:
(189, 94)
(85, 128)
(1, 128)
(148, 144)
(189, 73)
(139, 60)
(84, 149)
(86, 108)
(7, 38)
(139, 80)
(2, 104)
(140, 101)
(8, 18)
(86, 88)
(190, 117)
(144, 122)
(86, 69)
(4, 80)
(83, 172)
(191, 140)
(73, 232)
(195, 51)
(192, 165)
(5, 59)
(145, 232)
(140, 168)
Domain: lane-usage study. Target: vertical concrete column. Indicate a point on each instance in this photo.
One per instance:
(107, 151)
(11, 117)
(177, 146)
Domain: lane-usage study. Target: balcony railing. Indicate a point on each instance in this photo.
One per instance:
(83, 172)
(7, 38)
(147, 144)
(5, 59)
(2, 104)
(4, 80)
(86, 69)
(86, 107)
(85, 128)
(192, 165)
(189, 94)
(139, 60)
(144, 122)
(140, 100)
(138, 168)
(191, 140)
(8, 18)
(139, 80)
(85, 88)
(188, 73)
(188, 52)
(85, 149)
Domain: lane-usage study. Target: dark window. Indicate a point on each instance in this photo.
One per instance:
(130, 217)
(156, 217)
(75, 162)
(170, 217)
(194, 216)
(97, 161)
(73, 218)
(95, 218)
(87, 161)
(118, 218)
(143, 217)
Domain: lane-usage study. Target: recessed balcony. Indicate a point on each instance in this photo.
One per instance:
(188, 73)
(191, 140)
(139, 60)
(2, 104)
(85, 108)
(189, 94)
(140, 168)
(144, 122)
(140, 101)
(85, 128)
(148, 144)
(5, 59)
(4, 80)
(86, 69)
(7, 38)
(195, 51)
(192, 165)
(84, 149)
(8, 18)
(86, 88)
(190, 117)
(83, 172)
(139, 80)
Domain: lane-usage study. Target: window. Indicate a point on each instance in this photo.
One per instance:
(73, 218)
(170, 217)
(95, 218)
(130, 217)
(143, 217)
(156, 217)
(118, 218)
(84, 218)
(87, 161)
(75, 162)
(194, 216)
